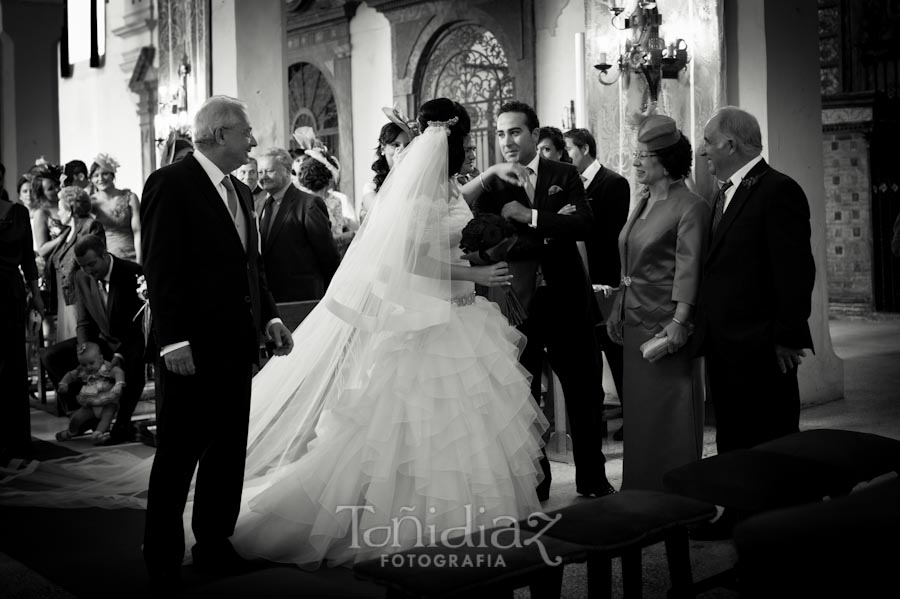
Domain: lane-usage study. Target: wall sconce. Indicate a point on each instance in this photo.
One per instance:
(645, 52)
(173, 115)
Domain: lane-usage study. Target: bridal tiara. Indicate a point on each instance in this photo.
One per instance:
(445, 124)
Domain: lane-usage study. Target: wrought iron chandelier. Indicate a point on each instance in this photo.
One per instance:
(645, 51)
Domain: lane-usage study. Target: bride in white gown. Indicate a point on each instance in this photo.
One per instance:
(402, 409)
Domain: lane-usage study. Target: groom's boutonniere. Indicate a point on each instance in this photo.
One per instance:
(749, 182)
(554, 189)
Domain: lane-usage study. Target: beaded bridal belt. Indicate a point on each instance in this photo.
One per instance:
(463, 300)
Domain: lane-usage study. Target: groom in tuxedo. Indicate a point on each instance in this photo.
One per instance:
(210, 303)
(549, 277)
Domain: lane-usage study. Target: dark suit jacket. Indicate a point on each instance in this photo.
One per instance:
(609, 196)
(15, 251)
(204, 287)
(759, 272)
(299, 252)
(116, 324)
(552, 243)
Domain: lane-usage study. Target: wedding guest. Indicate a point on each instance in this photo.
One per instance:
(549, 277)
(317, 176)
(551, 145)
(298, 249)
(18, 280)
(609, 196)
(45, 225)
(100, 387)
(468, 170)
(108, 313)
(76, 173)
(756, 294)
(248, 174)
(117, 209)
(660, 249)
(23, 192)
(392, 139)
(75, 215)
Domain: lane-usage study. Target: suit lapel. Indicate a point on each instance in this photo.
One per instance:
(211, 194)
(542, 185)
(736, 205)
(594, 184)
(626, 230)
(288, 202)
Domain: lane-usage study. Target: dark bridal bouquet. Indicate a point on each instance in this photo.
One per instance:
(486, 240)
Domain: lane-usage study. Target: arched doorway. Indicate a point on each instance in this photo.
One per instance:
(466, 63)
(311, 104)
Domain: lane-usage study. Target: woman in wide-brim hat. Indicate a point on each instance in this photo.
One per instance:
(661, 249)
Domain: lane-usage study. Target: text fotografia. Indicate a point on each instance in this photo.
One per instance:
(408, 531)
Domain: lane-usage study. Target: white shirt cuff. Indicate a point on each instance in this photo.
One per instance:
(268, 324)
(173, 346)
(533, 224)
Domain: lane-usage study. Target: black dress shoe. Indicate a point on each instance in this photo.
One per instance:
(603, 491)
(220, 560)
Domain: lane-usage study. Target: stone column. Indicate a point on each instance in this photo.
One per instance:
(248, 62)
(772, 50)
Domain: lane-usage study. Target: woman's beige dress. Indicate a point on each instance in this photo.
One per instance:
(661, 262)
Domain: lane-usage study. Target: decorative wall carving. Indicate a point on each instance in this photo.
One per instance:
(183, 36)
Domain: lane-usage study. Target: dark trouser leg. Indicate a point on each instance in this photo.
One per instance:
(576, 361)
(220, 477)
(134, 386)
(613, 353)
(58, 359)
(754, 401)
(15, 422)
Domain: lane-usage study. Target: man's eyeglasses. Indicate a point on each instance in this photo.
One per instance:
(248, 132)
(637, 155)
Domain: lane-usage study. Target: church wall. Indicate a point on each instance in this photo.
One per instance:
(370, 68)
(556, 22)
(97, 111)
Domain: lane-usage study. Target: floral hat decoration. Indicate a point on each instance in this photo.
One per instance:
(106, 162)
(409, 126)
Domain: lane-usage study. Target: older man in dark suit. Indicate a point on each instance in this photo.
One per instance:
(297, 245)
(609, 196)
(756, 287)
(210, 303)
(561, 307)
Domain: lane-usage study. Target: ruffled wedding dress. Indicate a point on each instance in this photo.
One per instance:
(444, 433)
(401, 413)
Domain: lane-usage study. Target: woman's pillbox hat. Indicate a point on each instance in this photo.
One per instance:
(658, 131)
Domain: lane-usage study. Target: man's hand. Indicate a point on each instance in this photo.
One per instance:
(510, 172)
(517, 212)
(281, 336)
(180, 361)
(788, 358)
(567, 209)
(495, 275)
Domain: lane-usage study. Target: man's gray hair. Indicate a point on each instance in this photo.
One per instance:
(279, 155)
(216, 112)
(742, 127)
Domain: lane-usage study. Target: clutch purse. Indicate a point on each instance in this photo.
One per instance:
(654, 349)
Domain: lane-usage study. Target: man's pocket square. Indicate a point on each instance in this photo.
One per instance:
(554, 189)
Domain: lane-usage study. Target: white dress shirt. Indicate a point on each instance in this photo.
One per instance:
(736, 179)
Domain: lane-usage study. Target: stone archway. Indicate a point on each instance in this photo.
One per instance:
(312, 104)
(467, 63)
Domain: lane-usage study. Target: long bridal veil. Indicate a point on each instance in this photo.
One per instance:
(393, 279)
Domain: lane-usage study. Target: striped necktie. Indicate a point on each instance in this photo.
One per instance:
(719, 206)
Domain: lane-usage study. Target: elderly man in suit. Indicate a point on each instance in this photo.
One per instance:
(609, 196)
(549, 276)
(210, 304)
(756, 287)
(107, 303)
(297, 245)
